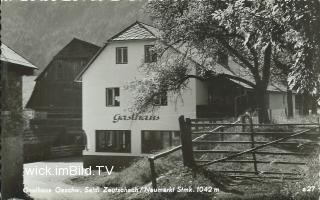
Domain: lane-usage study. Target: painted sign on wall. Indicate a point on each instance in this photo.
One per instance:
(119, 117)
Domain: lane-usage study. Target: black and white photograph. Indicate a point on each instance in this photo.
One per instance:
(160, 100)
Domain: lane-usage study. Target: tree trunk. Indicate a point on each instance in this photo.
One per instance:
(314, 106)
(262, 103)
(289, 103)
(306, 104)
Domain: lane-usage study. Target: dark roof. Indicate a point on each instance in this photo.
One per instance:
(10, 56)
(76, 48)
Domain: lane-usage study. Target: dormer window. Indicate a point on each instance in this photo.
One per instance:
(149, 54)
(121, 55)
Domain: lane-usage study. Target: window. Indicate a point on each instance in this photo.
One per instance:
(112, 97)
(160, 100)
(121, 55)
(223, 58)
(149, 54)
(113, 141)
(152, 141)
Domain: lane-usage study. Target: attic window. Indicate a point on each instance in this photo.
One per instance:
(121, 55)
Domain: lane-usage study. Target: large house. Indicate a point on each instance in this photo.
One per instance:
(115, 135)
(13, 67)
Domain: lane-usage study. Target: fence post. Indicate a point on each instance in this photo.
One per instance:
(319, 126)
(186, 141)
(153, 173)
(252, 145)
(221, 134)
(182, 125)
(243, 121)
(191, 162)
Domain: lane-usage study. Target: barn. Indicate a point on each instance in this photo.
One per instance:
(56, 101)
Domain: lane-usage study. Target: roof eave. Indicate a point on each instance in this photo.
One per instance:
(79, 76)
(147, 39)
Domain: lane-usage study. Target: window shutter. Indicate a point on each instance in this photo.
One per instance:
(109, 97)
(125, 55)
(147, 54)
(117, 96)
(118, 55)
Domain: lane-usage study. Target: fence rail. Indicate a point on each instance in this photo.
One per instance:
(152, 158)
(65, 151)
(280, 139)
(197, 132)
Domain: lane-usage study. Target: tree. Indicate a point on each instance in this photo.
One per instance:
(252, 32)
(303, 71)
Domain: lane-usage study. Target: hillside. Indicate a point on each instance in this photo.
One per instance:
(38, 30)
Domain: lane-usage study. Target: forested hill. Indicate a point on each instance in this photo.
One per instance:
(38, 30)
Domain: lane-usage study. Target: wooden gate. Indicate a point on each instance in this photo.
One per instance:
(205, 143)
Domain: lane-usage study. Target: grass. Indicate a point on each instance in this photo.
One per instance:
(137, 174)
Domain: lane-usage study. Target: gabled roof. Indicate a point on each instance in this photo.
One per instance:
(142, 31)
(76, 48)
(136, 31)
(10, 56)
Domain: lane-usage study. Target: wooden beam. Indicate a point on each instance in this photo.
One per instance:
(247, 151)
(260, 125)
(265, 177)
(260, 172)
(256, 133)
(247, 142)
(258, 147)
(258, 161)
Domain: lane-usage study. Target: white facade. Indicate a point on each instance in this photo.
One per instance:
(105, 73)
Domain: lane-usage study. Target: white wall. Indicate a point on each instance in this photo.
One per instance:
(277, 100)
(104, 73)
(279, 105)
(201, 93)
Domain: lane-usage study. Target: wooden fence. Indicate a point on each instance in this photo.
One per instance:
(66, 151)
(186, 159)
(308, 134)
(196, 133)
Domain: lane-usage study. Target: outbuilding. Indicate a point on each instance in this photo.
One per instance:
(13, 67)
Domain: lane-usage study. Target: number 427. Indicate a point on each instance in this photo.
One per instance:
(309, 188)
